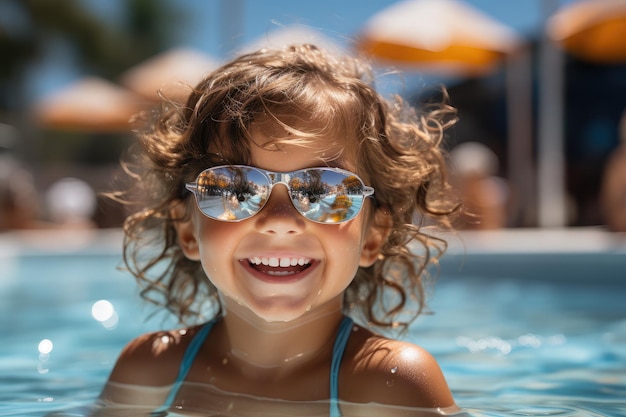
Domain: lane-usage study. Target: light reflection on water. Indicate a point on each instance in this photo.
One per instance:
(507, 347)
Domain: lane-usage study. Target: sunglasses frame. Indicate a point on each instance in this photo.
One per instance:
(274, 178)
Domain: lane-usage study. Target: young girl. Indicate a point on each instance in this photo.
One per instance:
(284, 196)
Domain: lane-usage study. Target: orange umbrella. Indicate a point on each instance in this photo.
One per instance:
(173, 73)
(92, 104)
(441, 35)
(594, 30)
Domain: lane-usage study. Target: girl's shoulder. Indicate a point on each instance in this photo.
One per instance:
(153, 359)
(387, 371)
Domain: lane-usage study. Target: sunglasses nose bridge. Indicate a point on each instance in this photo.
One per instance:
(276, 178)
(284, 195)
(279, 214)
(278, 201)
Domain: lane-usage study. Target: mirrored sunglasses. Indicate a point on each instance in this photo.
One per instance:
(237, 192)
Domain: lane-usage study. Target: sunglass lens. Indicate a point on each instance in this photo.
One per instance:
(326, 196)
(231, 193)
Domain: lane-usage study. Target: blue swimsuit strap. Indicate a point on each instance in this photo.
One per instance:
(345, 329)
(339, 347)
(185, 365)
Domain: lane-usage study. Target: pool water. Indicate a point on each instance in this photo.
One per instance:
(529, 334)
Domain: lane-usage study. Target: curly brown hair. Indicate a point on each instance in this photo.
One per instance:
(397, 150)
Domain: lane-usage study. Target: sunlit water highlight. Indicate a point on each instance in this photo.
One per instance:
(509, 346)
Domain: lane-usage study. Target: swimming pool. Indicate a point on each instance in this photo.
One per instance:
(525, 323)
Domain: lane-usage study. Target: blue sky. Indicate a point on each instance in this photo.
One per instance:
(338, 19)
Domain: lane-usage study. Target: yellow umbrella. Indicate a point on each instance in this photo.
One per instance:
(172, 73)
(89, 104)
(593, 30)
(438, 35)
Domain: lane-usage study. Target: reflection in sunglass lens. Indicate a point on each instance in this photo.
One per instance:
(326, 196)
(231, 193)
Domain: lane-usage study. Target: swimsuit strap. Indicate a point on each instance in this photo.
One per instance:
(339, 347)
(185, 365)
(345, 329)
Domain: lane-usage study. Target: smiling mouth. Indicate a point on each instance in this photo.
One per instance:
(279, 267)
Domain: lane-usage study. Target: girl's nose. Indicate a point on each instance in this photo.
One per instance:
(279, 216)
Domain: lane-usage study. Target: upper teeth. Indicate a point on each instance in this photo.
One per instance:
(282, 262)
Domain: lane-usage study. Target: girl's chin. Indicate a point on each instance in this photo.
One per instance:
(283, 301)
(280, 310)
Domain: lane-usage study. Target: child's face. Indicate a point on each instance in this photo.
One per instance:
(331, 254)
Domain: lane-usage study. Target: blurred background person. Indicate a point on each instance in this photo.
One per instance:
(613, 192)
(71, 203)
(485, 196)
(18, 197)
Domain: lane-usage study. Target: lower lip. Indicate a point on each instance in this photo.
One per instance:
(278, 279)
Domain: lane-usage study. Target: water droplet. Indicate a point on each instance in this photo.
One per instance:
(394, 369)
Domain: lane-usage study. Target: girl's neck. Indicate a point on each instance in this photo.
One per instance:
(254, 342)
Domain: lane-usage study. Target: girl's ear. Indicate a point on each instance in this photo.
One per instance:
(185, 230)
(377, 232)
